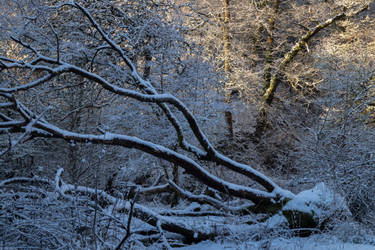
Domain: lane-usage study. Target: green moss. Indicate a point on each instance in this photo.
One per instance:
(299, 219)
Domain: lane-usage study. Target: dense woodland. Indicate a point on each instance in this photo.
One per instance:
(158, 124)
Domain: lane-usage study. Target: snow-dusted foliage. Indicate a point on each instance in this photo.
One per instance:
(109, 116)
(339, 149)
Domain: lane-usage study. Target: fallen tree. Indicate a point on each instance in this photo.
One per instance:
(32, 69)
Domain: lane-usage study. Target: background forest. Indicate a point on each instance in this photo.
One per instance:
(158, 124)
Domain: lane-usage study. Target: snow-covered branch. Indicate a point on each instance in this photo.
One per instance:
(54, 68)
(209, 154)
(139, 211)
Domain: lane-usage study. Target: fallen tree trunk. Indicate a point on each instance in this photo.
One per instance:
(123, 206)
(34, 125)
(269, 198)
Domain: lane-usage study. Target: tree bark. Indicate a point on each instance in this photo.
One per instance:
(226, 41)
(270, 45)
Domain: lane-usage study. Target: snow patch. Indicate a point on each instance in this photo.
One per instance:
(279, 244)
(276, 221)
(319, 201)
(312, 208)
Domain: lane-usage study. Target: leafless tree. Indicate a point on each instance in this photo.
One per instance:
(32, 67)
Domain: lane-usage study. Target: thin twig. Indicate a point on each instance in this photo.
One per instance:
(130, 216)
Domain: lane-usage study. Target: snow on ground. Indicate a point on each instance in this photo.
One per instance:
(280, 244)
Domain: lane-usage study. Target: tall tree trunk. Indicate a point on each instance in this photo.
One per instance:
(262, 120)
(270, 45)
(226, 35)
(147, 66)
(226, 42)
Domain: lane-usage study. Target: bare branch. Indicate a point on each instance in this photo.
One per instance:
(204, 199)
(130, 216)
(139, 211)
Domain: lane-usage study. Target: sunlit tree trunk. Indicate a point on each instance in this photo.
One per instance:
(226, 35)
(226, 42)
(262, 121)
(270, 45)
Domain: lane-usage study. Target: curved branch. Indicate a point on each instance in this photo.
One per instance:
(45, 129)
(211, 155)
(204, 199)
(162, 152)
(28, 85)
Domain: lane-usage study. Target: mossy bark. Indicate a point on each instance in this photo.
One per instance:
(299, 219)
(300, 45)
(271, 81)
(270, 45)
